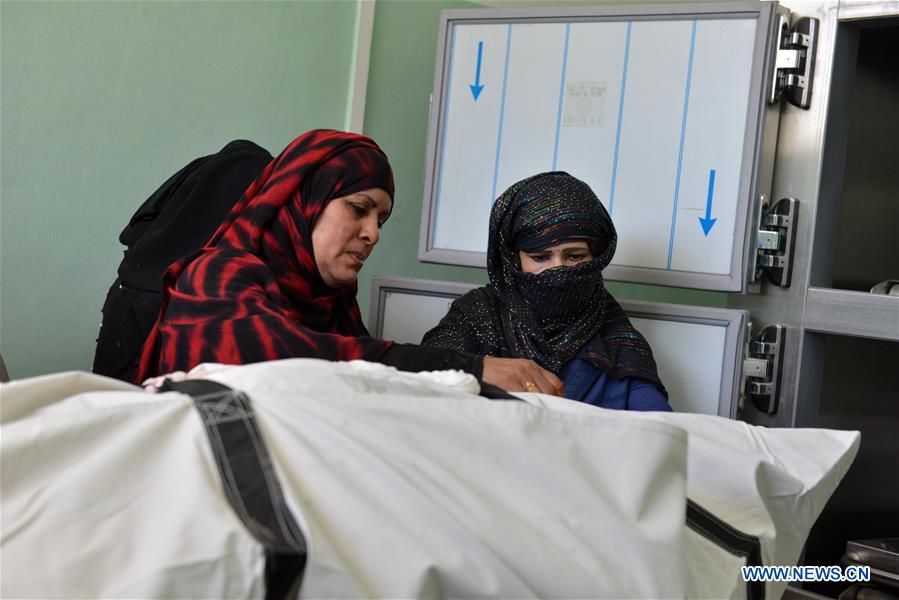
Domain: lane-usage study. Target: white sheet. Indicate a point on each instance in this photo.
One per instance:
(404, 487)
(114, 494)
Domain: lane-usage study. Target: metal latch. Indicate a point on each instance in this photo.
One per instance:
(775, 241)
(763, 369)
(794, 65)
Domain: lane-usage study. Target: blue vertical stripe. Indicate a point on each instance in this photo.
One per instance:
(502, 110)
(680, 156)
(627, 50)
(561, 96)
(449, 89)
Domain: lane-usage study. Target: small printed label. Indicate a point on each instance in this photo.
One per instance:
(806, 573)
(584, 104)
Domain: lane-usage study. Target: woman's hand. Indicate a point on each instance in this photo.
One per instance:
(521, 375)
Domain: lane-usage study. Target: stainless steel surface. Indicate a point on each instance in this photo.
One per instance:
(855, 225)
(821, 217)
(759, 208)
(881, 553)
(787, 59)
(797, 173)
(781, 57)
(801, 83)
(867, 9)
(561, 13)
(764, 389)
(795, 593)
(755, 367)
(770, 261)
(793, 72)
(768, 240)
(859, 391)
(866, 207)
(882, 557)
(775, 258)
(890, 287)
(852, 313)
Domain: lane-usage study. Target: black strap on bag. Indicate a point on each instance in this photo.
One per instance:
(250, 481)
(176, 220)
(730, 539)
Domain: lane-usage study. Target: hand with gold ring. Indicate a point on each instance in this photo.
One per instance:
(519, 375)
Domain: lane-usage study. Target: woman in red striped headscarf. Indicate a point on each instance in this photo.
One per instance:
(278, 278)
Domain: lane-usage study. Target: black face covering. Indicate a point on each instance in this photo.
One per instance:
(557, 311)
(561, 294)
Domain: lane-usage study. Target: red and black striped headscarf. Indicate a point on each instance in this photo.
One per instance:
(253, 293)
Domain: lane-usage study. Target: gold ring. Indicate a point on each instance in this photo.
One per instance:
(531, 386)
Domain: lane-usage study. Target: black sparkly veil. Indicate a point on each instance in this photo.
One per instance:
(560, 313)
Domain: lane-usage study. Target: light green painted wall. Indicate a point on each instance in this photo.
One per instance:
(401, 79)
(101, 101)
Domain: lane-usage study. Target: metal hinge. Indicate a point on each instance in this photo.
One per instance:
(763, 369)
(775, 241)
(794, 65)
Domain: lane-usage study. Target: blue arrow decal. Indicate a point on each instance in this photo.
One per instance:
(477, 87)
(708, 222)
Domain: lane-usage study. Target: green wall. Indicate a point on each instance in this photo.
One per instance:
(401, 79)
(101, 101)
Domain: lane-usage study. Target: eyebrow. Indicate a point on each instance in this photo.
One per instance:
(373, 204)
(574, 249)
(367, 197)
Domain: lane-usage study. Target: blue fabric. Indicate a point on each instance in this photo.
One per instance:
(585, 383)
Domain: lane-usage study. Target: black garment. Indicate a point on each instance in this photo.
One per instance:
(475, 324)
(556, 315)
(179, 218)
(414, 358)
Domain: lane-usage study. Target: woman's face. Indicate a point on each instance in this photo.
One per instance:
(566, 254)
(345, 234)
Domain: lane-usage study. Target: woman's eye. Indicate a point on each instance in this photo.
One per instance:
(576, 257)
(538, 258)
(358, 209)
